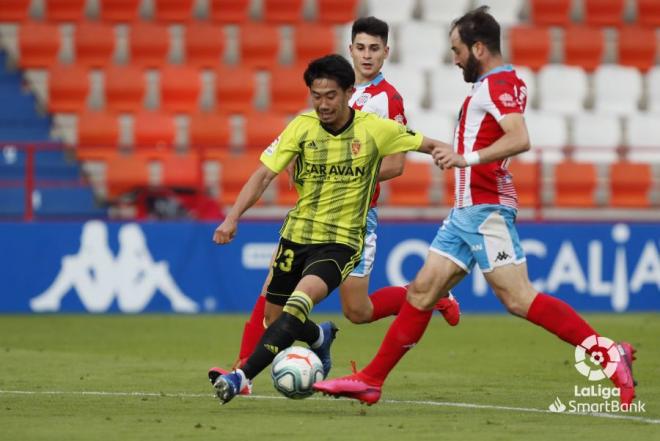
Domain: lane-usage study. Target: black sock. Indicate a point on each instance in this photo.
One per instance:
(310, 332)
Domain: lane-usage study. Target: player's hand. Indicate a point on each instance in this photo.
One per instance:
(445, 157)
(225, 232)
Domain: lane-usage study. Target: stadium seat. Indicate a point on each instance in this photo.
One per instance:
(288, 93)
(229, 11)
(313, 41)
(409, 82)
(529, 46)
(648, 12)
(507, 12)
(584, 47)
(630, 185)
(622, 99)
(149, 44)
(443, 13)
(436, 125)
(95, 44)
(562, 89)
(180, 87)
(643, 138)
(68, 86)
(124, 88)
(259, 45)
(421, 45)
(66, 203)
(604, 12)
(637, 47)
(551, 12)
(336, 11)
(119, 10)
(39, 44)
(65, 10)
(173, 10)
(653, 92)
(234, 89)
(548, 136)
(14, 10)
(125, 173)
(413, 187)
(181, 170)
(575, 185)
(391, 11)
(282, 11)
(205, 44)
(209, 130)
(448, 90)
(153, 129)
(448, 191)
(286, 194)
(234, 172)
(261, 129)
(12, 202)
(596, 138)
(526, 178)
(97, 129)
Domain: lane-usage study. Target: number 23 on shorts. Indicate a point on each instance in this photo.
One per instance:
(284, 259)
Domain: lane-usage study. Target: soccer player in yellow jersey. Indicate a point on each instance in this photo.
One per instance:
(339, 151)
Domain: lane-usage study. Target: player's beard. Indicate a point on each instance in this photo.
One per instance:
(471, 69)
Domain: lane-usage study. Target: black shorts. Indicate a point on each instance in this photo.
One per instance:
(332, 262)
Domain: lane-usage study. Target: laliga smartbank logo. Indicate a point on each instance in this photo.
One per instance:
(597, 359)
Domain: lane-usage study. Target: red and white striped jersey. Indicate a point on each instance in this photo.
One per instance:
(379, 97)
(495, 95)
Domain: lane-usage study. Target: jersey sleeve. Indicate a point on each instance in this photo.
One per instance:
(503, 97)
(280, 152)
(392, 137)
(396, 109)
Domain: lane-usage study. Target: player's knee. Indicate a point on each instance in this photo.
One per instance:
(515, 305)
(357, 315)
(420, 295)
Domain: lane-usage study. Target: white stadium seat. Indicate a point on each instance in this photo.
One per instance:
(548, 136)
(421, 44)
(391, 11)
(617, 89)
(444, 12)
(643, 138)
(409, 81)
(506, 12)
(561, 89)
(596, 137)
(435, 125)
(653, 94)
(448, 89)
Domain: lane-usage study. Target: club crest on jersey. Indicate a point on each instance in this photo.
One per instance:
(356, 145)
(362, 99)
(507, 100)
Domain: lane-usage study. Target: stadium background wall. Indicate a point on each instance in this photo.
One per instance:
(594, 266)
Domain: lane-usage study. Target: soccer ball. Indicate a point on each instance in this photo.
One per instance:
(295, 370)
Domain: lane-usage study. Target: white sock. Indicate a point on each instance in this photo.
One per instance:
(319, 341)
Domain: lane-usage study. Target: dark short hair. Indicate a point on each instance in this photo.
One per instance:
(332, 67)
(479, 25)
(371, 26)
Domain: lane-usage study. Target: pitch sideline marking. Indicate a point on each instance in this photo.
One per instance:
(266, 397)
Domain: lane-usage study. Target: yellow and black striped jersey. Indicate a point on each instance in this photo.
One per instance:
(336, 173)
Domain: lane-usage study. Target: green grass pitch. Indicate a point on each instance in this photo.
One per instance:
(144, 378)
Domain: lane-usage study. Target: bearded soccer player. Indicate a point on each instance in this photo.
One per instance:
(480, 229)
(338, 153)
(373, 94)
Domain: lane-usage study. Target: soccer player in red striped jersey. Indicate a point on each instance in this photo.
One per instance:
(480, 229)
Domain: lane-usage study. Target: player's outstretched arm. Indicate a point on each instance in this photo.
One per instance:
(249, 195)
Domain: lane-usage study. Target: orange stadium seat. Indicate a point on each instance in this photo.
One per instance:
(288, 93)
(38, 44)
(337, 11)
(259, 45)
(286, 194)
(14, 10)
(124, 88)
(648, 12)
(173, 10)
(630, 184)
(97, 129)
(153, 129)
(125, 173)
(527, 182)
(180, 87)
(234, 172)
(68, 87)
(95, 44)
(119, 10)
(313, 41)
(584, 47)
(637, 47)
(261, 129)
(551, 12)
(283, 11)
(230, 11)
(413, 187)
(604, 12)
(448, 188)
(65, 10)
(234, 89)
(530, 46)
(575, 184)
(149, 44)
(209, 130)
(205, 44)
(181, 170)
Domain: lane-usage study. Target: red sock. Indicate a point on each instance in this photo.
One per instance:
(387, 301)
(254, 329)
(406, 330)
(559, 318)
